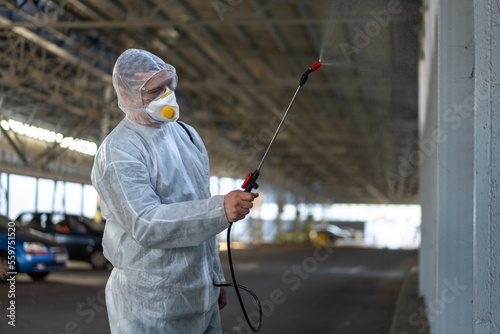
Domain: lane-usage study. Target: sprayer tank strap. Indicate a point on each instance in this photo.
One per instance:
(187, 131)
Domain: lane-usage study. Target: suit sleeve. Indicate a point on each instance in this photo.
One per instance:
(123, 184)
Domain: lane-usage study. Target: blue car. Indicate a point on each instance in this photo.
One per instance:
(22, 250)
(81, 236)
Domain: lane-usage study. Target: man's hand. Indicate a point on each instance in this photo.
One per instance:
(222, 299)
(237, 204)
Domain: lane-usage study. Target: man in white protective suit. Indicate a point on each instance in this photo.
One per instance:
(152, 176)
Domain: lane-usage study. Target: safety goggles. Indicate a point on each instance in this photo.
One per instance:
(157, 85)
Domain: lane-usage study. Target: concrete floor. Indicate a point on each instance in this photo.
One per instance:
(302, 289)
(349, 291)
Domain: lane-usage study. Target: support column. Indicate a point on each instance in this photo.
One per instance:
(324, 222)
(486, 306)
(429, 227)
(451, 308)
(428, 135)
(460, 184)
(310, 224)
(7, 196)
(37, 181)
(280, 237)
(257, 222)
(296, 225)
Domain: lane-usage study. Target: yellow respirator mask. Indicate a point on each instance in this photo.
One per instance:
(164, 108)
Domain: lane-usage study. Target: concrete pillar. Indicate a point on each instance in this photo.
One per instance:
(460, 181)
(324, 223)
(486, 223)
(428, 194)
(257, 223)
(296, 225)
(257, 235)
(7, 212)
(428, 137)
(37, 180)
(280, 236)
(310, 223)
(451, 307)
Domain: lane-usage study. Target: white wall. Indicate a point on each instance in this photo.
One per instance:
(460, 177)
(486, 306)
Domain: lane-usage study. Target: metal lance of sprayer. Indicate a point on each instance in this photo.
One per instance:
(249, 184)
(251, 179)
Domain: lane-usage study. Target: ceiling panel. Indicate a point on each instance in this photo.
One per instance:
(353, 124)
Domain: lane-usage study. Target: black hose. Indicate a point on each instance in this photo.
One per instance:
(237, 286)
(251, 183)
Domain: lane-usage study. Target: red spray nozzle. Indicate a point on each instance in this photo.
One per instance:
(315, 66)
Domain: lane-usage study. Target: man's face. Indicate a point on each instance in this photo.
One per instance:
(157, 85)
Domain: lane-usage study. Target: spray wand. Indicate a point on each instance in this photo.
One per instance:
(251, 179)
(249, 184)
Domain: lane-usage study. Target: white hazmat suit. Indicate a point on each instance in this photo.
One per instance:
(161, 222)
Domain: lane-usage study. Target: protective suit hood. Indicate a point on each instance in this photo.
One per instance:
(132, 70)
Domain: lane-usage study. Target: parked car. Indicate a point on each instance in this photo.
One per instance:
(81, 236)
(331, 235)
(29, 252)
